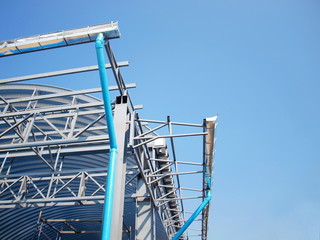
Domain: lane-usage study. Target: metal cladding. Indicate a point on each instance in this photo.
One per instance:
(89, 157)
(20, 223)
(58, 39)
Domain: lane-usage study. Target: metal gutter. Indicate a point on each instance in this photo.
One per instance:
(58, 39)
(108, 203)
(210, 126)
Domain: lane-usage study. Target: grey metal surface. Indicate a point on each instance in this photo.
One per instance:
(20, 223)
(88, 164)
(121, 117)
(145, 216)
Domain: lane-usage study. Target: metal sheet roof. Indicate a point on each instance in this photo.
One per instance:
(20, 223)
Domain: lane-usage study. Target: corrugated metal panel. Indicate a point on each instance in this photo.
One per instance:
(160, 231)
(20, 223)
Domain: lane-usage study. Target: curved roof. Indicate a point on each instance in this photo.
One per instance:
(52, 126)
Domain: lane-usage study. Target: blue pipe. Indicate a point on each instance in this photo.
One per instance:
(109, 195)
(196, 213)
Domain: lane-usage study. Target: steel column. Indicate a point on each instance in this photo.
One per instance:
(145, 215)
(122, 132)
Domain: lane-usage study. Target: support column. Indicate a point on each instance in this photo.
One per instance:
(145, 215)
(122, 132)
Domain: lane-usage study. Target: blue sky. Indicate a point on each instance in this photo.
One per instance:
(254, 63)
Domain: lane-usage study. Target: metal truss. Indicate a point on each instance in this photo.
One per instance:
(48, 136)
(54, 149)
(61, 226)
(162, 173)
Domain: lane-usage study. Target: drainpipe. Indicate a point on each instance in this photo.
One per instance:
(109, 194)
(196, 213)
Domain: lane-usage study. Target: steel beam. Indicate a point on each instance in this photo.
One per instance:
(66, 151)
(51, 109)
(79, 140)
(58, 73)
(60, 94)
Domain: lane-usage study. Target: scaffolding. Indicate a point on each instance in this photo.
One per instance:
(55, 150)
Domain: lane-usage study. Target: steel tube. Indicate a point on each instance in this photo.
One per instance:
(193, 216)
(58, 73)
(109, 195)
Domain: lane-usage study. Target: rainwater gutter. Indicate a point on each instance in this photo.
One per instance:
(58, 39)
(109, 194)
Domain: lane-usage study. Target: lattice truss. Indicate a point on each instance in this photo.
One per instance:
(54, 152)
(39, 139)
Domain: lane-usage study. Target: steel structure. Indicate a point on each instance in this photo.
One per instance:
(55, 149)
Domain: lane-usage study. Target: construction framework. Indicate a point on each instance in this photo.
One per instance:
(55, 153)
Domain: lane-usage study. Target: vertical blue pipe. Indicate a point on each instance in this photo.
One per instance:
(195, 214)
(109, 195)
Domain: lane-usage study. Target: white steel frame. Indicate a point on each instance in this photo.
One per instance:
(76, 127)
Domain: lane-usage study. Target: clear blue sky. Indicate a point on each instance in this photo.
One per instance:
(255, 63)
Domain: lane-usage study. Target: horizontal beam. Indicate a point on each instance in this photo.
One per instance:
(172, 123)
(92, 172)
(65, 151)
(71, 220)
(49, 133)
(182, 188)
(171, 136)
(62, 115)
(52, 109)
(153, 138)
(7, 147)
(58, 39)
(44, 200)
(172, 161)
(174, 173)
(10, 178)
(59, 94)
(173, 199)
(57, 73)
(52, 204)
(55, 109)
(79, 232)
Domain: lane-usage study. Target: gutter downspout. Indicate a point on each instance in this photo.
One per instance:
(109, 194)
(196, 213)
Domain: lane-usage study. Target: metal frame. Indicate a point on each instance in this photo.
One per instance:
(49, 126)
